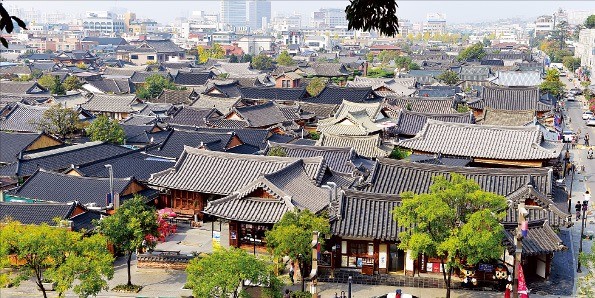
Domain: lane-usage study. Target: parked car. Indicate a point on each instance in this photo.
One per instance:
(567, 136)
(576, 91)
(587, 115)
(570, 98)
(562, 73)
(591, 122)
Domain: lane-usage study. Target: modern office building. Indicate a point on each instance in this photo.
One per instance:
(103, 22)
(233, 12)
(259, 13)
(329, 18)
(435, 23)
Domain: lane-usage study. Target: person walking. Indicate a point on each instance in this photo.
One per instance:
(587, 139)
(291, 274)
(578, 207)
(573, 143)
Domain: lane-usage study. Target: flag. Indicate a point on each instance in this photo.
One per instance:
(522, 288)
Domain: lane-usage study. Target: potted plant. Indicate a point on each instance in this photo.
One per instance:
(48, 284)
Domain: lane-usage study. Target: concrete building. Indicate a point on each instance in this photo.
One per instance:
(435, 23)
(544, 25)
(233, 12)
(259, 14)
(253, 45)
(585, 50)
(103, 22)
(405, 27)
(329, 18)
(286, 23)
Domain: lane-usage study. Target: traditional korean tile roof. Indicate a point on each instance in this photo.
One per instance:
(492, 62)
(177, 97)
(141, 134)
(336, 95)
(517, 78)
(329, 69)
(173, 146)
(135, 164)
(22, 88)
(351, 124)
(262, 115)
(438, 159)
(499, 93)
(16, 69)
(11, 144)
(510, 105)
(474, 73)
(51, 186)
(22, 118)
(269, 93)
(402, 87)
(192, 78)
(321, 111)
(339, 159)
(425, 77)
(254, 137)
(125, 72)
(422, 105)
(163, 46)
(235, 68)
(115, 86)
(410, 123)
(394, 177)
(61, 158)
(506, 117)
(548, 210)
(188, 116)
(483, 141)
(364, 215)
(228, 88)
(36, 213)
(372, 109)
(140, 77)
(222, 104)
(111, 103)
(222, 173)
(289, 188)
(367, 146)
(509, 56)
(541, 239)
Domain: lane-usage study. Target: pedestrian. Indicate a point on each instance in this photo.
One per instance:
(287, 294)
(291, 273)
(587, 139)
(578, 207)
(567, 155)
(587, 196)
(573, 143)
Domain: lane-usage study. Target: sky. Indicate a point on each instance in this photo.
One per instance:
(165, 11)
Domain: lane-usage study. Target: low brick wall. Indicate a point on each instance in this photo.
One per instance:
(176, 262)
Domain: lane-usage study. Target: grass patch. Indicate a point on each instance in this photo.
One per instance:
(127, 288)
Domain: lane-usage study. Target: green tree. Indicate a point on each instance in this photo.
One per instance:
(59, 121)
(233, 59)
(106, 130)
(399, 153)
(292, 236)
(246, 58)
(285, 59)
(448, 77)
(316, 86)
(473, 52)
(46, 81)
(571, 63)
(222, 273)
(370, 57)
(58, 255)
(386, 57)
(215, 52)
(262, 62)
(590, 22)
(552, 83)
(586, 283)
(153, 86)
(82, 65)
(128, 227)
(72, 83)
(455, 221)
(277, 151)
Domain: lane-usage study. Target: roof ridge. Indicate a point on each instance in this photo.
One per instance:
(62, 150)
(476, 170)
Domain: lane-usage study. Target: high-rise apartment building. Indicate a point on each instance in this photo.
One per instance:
(435, 23)
(329, 18)
(233, 12)
(259, 13)
(103, 22)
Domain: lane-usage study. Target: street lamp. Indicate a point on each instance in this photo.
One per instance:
(580, 249)
(110, 170)
(349, 288)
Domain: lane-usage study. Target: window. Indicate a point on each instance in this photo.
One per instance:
(150, 57)
(285, 84)
(358, 248)
(133, 56)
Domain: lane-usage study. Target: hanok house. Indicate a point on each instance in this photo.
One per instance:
(511, 99)
(279, 95)
(370, 146)
(48, 186)
(113, 106)
(255, 208)
(200, 176)
(288, 80)
(74, 214)
(409, 123)
(365, 236)
(486, 144)
(14, 144)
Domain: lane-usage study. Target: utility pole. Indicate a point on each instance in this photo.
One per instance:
(580, 250)
(110, 170)
(521, 231)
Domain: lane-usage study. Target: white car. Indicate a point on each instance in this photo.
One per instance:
(591, 122)
(587, 115)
